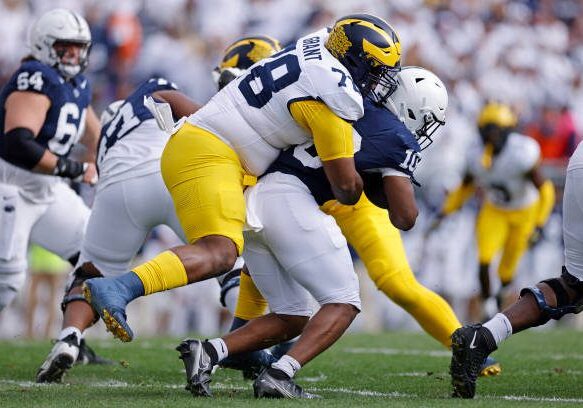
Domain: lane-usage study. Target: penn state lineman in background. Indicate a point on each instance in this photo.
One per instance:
(305, 92)
(549, 299)
(519, 199)
(130, 200)
(45, 110)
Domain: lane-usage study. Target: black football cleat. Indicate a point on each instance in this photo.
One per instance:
(88, 356)
(470, 347)
(273, 383)
(59, 361)
(198, 365)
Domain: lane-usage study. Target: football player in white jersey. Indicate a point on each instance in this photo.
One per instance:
(128, 160)
(44, 111)
(519, 199)
(549, 299)
(129, 166)
(308, 91)
(286, 204)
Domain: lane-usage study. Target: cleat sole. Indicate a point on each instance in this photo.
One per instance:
(491, 371)
(55, 373)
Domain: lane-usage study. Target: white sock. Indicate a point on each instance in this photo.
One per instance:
(68, 330)
(500, 327)
(288, 365)
(221, 348)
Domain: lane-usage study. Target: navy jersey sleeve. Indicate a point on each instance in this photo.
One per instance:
(385, 142)
(147, 88)
(33, 76)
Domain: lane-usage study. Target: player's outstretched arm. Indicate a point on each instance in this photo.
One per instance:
(180, 104)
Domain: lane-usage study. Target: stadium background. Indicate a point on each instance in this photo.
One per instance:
(526, 53)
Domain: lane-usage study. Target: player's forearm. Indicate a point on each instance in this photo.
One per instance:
(457, 198)
(546, 202)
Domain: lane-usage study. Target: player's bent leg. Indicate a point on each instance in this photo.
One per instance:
(78, 315)
(250, 305)
(378, 243)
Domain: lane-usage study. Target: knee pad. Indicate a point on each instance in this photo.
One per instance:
(564, 304)
(80, 275)
(229, 281)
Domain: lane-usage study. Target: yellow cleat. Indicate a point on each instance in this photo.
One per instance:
(490, 368)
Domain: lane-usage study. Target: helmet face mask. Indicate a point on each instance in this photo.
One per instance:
(369, 49)
(420, 101)
(53, 32)
(241, 55)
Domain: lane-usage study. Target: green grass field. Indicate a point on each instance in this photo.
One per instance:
(393, 369)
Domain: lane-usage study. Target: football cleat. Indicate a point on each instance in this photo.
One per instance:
(490, 368)
(198, 365)
(88, 356)
(60, 359)
(273, 383)
(251, 363)
(471, 345)
(104, 296)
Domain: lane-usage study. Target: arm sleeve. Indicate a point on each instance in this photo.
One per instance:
(332, 135)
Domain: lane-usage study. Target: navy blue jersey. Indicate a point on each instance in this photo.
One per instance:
(65, 121)
(385, 143)
(130, 114)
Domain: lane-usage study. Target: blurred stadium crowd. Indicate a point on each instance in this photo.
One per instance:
(526, 53)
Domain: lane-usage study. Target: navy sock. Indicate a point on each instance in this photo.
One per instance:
(237, 322)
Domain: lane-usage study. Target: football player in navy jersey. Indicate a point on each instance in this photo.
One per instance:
(44, 111)
(292, 200)
(128, 160)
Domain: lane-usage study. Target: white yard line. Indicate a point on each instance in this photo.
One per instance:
(221, 386)
(398, 352)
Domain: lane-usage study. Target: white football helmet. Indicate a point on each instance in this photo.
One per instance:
(60, 25)
(420, 101)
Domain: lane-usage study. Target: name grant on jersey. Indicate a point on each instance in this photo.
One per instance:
(311, 48)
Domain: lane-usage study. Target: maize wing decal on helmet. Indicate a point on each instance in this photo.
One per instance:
(371, 51)
(241, 55)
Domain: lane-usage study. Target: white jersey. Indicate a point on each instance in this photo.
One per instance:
(251, 113)
(137, 154)
(506, 182)
(131, 143)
